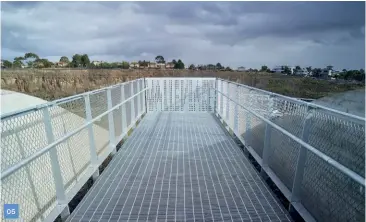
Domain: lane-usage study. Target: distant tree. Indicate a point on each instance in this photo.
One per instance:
(287, 70)
(85, 60)
(7, 64)
(309, 69)
(192, 67)
(64, 59)
(211, 67)
(344, 70)
(143, 63)
(255, 70)
(76, 60)
(179, 65)
(114, 65)
(105, 65)
(18, 64)
(42, 63)
(264, 68)
(20, 58)
(329, 67)
(30, 59)
(159, 59)
(218, 66)
(31, 55)
(201, 67)
(297, 68)
(125, 65)
(228, 69)
(316, 72)
(174, 62)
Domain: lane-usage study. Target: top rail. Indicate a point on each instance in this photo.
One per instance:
(29, 159)
(58, 101)
(326, 158)
(299, 101)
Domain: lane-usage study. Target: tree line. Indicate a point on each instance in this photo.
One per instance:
(32, 60)
(355, 74)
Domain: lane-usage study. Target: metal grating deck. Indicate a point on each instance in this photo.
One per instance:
(179, 166)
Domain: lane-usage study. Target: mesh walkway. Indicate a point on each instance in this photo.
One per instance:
(179, 167)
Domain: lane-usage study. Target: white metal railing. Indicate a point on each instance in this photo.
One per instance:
(287, 139)
(315, 155)
(50, 151)
(180, 94)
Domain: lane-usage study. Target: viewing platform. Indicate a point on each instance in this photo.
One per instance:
(183, 149)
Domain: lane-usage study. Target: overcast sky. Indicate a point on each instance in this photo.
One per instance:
(247, 34)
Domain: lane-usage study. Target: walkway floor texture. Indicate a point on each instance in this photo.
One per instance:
(179, 167)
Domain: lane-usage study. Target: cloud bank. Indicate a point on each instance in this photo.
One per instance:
(246, 34)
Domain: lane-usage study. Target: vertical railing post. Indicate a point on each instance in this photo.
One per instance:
(112, 137)
(236, 112)
(227, 103)
(301, 160)
(208, 97)
(55, 166)
(215, 106)
(92, 147)
(266, 148)
(144, 95)
(133, 115)
(123, 110)
(138, 98)
(222, 98)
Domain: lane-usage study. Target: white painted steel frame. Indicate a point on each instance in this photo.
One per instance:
(63, 198)
(180, 94)
(220, 104)
(293, 195)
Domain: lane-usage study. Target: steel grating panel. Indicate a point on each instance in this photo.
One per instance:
(179, 167)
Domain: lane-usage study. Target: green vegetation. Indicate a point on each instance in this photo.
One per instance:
(307, 87)
(64, 59)
(178, 65)
(159, 59)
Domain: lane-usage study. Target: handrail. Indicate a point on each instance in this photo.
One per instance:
(299, 101)
(59, 101)
(29, 159)
(323, 156)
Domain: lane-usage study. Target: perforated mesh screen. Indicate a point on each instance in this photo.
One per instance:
(180, 94)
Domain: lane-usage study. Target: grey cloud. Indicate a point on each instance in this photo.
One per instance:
(219, 31)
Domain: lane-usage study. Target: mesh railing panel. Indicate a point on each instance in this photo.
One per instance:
(98, 103)
(41, 174)
(329, 194)
(180, 94)
(33, 185)
(283, 156)
(257, 129)
(21, 137)
(340, 139)
(326, 192)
